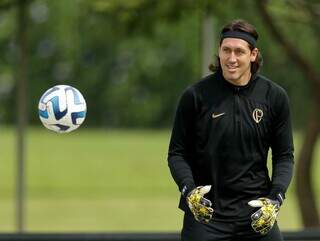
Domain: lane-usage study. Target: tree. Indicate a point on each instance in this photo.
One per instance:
(22, 113)
(305, 190)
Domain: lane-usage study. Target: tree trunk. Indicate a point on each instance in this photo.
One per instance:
(207, 42)
(305, 192)
(306, 196)
(21, 113)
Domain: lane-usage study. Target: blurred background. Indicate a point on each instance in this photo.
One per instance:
(131, 59)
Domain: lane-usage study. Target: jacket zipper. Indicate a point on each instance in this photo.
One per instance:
(237, 105)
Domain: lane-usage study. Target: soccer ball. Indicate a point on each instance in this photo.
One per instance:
(62, 108)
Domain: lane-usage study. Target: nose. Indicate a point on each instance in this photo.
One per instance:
(232, 57)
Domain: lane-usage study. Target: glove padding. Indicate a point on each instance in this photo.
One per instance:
(264, 219)
(200, 206)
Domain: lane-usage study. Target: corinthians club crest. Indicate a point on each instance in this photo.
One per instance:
(257, 115)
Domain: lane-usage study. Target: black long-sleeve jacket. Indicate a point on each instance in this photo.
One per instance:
(221, 137)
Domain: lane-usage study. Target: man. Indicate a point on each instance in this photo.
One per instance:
(223, 129)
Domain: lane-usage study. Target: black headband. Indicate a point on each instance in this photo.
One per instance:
(242, 35)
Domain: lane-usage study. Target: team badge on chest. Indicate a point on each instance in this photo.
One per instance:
(257, 115)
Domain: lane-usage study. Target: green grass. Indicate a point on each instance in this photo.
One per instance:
(99, 180)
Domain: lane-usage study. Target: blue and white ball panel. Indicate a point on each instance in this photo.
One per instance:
(78, 105)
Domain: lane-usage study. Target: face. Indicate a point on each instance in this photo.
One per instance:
(235, 60)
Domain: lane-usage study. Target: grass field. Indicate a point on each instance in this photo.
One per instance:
(100, 180)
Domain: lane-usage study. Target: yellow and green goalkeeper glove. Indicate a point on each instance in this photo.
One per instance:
(200, 206)
(264, 219)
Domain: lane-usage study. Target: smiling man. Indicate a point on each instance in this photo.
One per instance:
(224, 126)
(235, 58)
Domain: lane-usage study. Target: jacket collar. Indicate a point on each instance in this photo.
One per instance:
(237, 88)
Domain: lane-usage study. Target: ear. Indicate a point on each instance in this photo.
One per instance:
(254, 54)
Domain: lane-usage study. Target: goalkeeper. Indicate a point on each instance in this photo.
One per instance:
(224, 126)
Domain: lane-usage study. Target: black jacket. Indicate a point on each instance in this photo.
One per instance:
(221, 137)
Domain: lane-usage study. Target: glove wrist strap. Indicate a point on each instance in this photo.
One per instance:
(187, 189)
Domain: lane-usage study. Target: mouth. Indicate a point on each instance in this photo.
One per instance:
(231, 68)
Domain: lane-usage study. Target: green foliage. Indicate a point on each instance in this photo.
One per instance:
(132, 59)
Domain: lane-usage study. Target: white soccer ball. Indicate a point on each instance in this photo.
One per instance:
(62, 108)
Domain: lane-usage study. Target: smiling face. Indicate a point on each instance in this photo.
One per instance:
(235, 60)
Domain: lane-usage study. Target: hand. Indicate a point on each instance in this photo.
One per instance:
(200, 206)
(264, 219)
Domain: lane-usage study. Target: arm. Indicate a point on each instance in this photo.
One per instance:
(282, 148)
(181, 154)
(181, 143)
(282, 166)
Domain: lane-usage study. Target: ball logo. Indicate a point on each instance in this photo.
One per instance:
(257, 115)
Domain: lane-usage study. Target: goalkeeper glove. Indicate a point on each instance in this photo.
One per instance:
(200, 206)
(264, 219)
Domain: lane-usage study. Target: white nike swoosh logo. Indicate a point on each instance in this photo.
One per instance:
(217, 115)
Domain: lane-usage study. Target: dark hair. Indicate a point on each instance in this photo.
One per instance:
(240, 26)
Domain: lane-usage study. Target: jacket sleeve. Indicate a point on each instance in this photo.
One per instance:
(181, 143)
(282, 147)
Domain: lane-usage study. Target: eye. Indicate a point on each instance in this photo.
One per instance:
(240, 52)
(226, 50)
